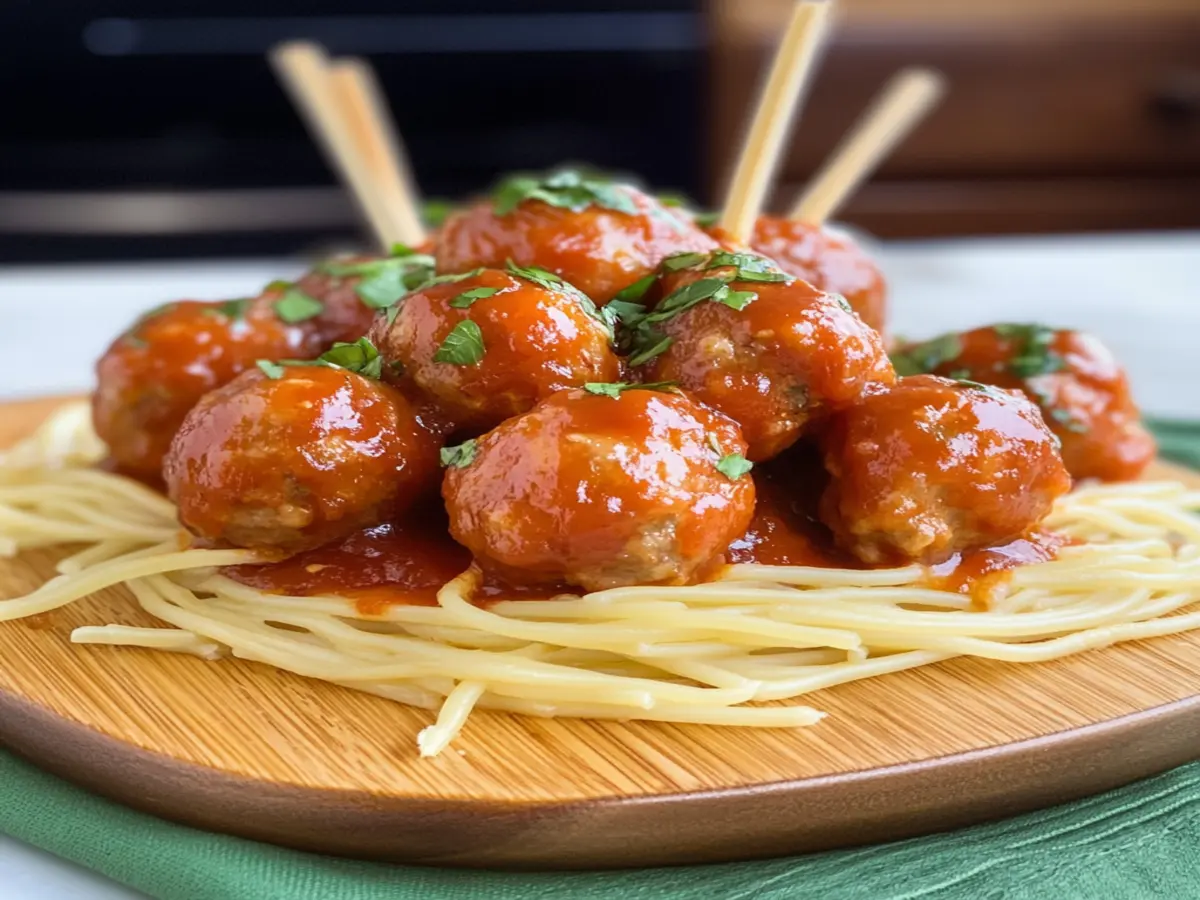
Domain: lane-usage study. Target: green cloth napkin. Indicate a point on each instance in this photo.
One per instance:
(1136, 842)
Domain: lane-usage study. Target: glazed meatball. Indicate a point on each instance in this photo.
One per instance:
(929, 467)
(296, 458)
(1082, 392)
(773, 355)
(828, 261)
(490, 346)
(155, 372)
(600, 239)
(350, 290)
(642, 487)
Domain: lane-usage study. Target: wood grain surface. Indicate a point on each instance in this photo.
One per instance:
(246, 749)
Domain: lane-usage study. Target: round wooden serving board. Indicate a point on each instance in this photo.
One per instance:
(245, 749)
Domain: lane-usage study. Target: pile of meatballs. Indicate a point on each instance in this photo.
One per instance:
(590, 375)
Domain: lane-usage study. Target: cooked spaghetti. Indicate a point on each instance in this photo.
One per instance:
(717, 652)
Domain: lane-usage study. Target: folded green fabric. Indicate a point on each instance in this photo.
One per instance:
(1138, 842)
(1134, 843)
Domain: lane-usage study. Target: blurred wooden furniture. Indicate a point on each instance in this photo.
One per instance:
(1061, 115)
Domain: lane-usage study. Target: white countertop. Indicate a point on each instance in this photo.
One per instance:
(1140, 293)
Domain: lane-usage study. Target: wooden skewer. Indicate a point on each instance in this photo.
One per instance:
(302, 67)
(908, 97)
(776, 106)
(371, 126)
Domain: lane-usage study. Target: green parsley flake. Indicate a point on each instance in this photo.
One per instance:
(737, 300)
(1032, 355)
(635, 291)
(615, 389)
(733, 466)
(296, 306)
(706, 219)
(460, 456)
(655, 343)
(233, 310)
(361, 356)
(463, 346)
(385, 281)
(681, 261)
(923, 358)
(565, 188)
(436, 211)
(466, 298)
(539, 276)
(272, 370)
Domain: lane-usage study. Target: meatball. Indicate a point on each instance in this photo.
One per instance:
(490, 346)
(635, 487)
(929, 467)
(350, 290)
(826, 260)
(600, 238)
(293, 457)
(773, 355)
(1081, 390)
(155, 372)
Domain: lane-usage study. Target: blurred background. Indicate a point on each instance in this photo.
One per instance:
(144, 130)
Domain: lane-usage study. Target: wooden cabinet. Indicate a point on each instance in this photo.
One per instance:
(1060, 114)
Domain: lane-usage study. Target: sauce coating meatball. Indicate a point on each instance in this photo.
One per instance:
(490, 346)
(351, 289)
(773, 355)
(930, 467)
(153, 374)
(601, 245)
(293, 462)
(1082, 392)
(645, 487)
(828, 261)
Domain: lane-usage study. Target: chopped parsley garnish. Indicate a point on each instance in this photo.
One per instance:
(641, 336)
(360, 357)
(461, 455)
(272, 370)
(296, 306)
(707, 219)
(920, 359)
(628, 314)
(449, 278)
(539, 276)
(646, 353)
(466, 298)
(385, 281)
(234, 310)
(733, 466)
(435, 211)
(749, 266)
(565, 188)
(1033, 355)
(634, 292)
(463, 346)
(737, 300)
(683, 261)
(615, 389)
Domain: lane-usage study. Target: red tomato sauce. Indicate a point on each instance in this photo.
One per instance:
(407, 562)
(979, 572)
